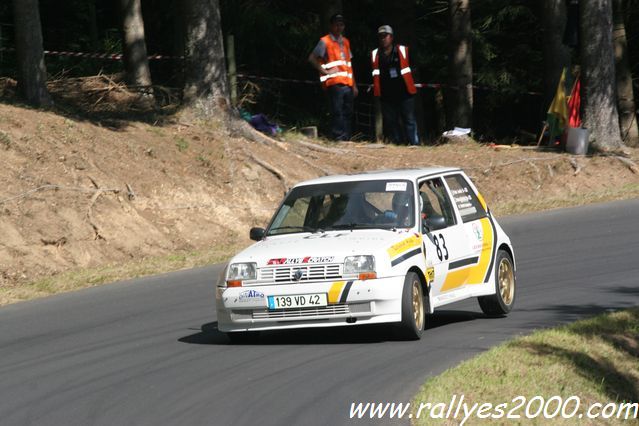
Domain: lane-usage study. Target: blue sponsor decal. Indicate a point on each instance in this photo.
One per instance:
(250, 295)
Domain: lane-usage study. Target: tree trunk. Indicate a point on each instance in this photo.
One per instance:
(460, 65)
(93, 25)
(32, 71)
(136, 62)
(205, 77)
(556, 54)
(625, 96)
(598, 71)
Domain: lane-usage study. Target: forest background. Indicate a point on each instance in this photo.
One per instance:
(517, 54)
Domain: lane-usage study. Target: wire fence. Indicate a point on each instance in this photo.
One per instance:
(301, 102)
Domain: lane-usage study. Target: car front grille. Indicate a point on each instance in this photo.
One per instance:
(284, 274)
(301, 313)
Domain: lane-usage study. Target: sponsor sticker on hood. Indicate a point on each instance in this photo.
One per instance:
(300, 260)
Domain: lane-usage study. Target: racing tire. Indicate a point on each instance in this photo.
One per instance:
(414, 306)
(502, 302)
(243, 337)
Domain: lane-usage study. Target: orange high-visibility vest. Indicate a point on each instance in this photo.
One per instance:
(337, 58)
(405, 71)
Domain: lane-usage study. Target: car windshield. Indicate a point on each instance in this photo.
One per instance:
(378, 204)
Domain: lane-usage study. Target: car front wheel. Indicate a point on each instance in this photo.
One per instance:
(413, 308)
(502, 301)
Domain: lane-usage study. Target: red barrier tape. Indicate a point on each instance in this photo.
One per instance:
(118, 57)
(111, 56)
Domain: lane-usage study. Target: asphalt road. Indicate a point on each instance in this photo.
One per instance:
(147, 352)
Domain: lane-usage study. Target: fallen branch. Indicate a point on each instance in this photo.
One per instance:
(322, 148)
(246, 130)
(315, 166)
(278, 174)
(96, 230)
(129, 192)
(575, 165)
(527, 160)
(629, 163)
(58, 243)
(56, 188)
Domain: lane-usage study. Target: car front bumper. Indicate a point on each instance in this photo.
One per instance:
(349, 302)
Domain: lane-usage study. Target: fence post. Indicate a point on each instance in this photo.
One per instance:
(230, 55)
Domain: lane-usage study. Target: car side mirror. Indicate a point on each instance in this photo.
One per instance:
(257, 234)
(434, 222)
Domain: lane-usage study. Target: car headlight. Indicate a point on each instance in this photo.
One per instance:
(359, 264)
(241, 272)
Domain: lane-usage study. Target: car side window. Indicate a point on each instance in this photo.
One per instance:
(465, 198)
(435, 203)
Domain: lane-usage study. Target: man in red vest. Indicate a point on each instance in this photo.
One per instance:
(393, 84)
(332, 59)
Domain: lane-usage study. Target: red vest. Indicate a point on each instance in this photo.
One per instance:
(339, 59)
(405, 71)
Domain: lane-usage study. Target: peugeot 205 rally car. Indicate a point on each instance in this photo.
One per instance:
(378, 247)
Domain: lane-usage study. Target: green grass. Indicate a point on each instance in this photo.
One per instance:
(89, 277)
(595, 359)
(182, 144)
(5, 140)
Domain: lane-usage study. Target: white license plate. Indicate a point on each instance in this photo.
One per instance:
(297, 301)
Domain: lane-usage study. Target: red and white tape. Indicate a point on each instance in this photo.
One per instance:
(111, 56)
(119, 56)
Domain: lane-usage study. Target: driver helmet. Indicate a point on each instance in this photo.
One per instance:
(402, 202)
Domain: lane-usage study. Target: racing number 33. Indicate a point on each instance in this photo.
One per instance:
(441, 255)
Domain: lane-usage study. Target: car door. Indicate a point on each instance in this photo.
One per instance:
(479, 233)
(445, 239)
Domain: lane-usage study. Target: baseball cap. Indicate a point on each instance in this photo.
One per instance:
(385, 29)
(338, 17)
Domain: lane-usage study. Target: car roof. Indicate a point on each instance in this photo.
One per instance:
(403, 174)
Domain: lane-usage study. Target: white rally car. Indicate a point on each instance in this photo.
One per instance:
(378, 247)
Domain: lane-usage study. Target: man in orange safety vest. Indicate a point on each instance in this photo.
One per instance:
(332, 59)
(393, 84)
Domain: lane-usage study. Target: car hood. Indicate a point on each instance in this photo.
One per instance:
(327, 247)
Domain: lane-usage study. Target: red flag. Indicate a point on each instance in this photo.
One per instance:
(574, 104)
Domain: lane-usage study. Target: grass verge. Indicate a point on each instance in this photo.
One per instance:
(89, 277)
(595, 359)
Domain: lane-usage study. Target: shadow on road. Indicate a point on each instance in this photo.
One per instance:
(374, 333)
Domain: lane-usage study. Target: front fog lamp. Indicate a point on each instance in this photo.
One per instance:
(359, 265)
(241, 272)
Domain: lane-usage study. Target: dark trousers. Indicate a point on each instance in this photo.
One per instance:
(341, 97)
(400, 125)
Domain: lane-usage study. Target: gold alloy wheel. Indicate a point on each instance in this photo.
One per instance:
(418, 305)
(506, 281)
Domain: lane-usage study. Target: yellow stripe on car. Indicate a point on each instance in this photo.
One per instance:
(335, 291)
(474, 274)
(482, 201)
(404, 245)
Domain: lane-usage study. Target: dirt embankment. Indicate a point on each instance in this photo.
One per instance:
(76, 194)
